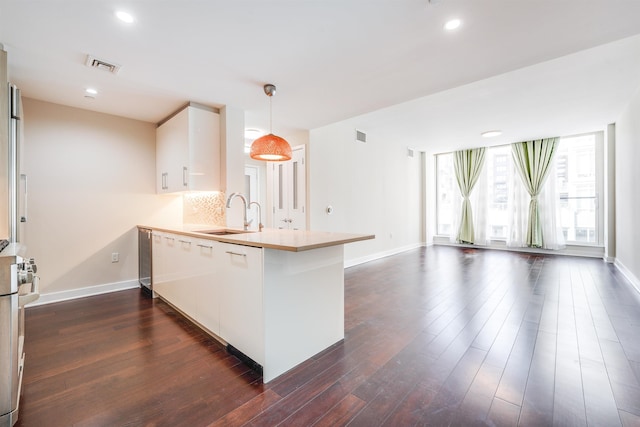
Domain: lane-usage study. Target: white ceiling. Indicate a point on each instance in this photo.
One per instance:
(526, 67)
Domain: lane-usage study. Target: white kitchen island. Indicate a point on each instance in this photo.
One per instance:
(275, 296)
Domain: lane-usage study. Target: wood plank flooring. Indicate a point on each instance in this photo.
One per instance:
(435, 336)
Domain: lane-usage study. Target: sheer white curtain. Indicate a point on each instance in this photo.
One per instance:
(456, 212)
(480, 205)
(518, 209)
(548, 204)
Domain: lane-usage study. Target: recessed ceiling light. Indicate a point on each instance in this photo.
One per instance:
(491, 133)
(91, 91)
(125, 16)
(452, 24)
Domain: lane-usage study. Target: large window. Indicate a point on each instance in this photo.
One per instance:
(577, 188)
(447, 192)
(578, 177)
(497, 162)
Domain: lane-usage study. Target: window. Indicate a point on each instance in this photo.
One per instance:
(496, 161)
(578, 180)
(576, 186)
(447, 191)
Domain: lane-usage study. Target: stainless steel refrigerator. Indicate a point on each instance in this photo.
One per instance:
(18, 282)
(13, 183)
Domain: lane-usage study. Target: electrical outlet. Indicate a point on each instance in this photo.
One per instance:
(115, 257)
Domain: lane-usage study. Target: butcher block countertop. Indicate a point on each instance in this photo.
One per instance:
(285, 240)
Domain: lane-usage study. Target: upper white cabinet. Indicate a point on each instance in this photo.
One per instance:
(188, 151)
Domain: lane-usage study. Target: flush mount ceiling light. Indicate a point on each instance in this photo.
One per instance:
(252, 133)
(125, 17)
(452, 24)
(270, 147)
(491, 133)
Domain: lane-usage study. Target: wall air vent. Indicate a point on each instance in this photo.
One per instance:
(361, 136)
(102, 64)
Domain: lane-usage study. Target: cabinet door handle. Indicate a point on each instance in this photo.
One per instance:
(185, 176)
(169, 238)
(165, 186)
(205, 246)
(235, 253)
(184, 241)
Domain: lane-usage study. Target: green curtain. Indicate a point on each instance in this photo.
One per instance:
(532, 160)
(467, 166)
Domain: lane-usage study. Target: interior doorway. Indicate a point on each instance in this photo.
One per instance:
(287, 193)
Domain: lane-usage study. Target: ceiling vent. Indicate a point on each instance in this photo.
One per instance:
(102, 65)
(361, 136)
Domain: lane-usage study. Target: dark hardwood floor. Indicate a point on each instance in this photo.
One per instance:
(435, 336)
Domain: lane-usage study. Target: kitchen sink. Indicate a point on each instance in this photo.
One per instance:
(224, 232)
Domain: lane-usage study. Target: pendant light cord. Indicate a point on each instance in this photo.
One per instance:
(270, 115)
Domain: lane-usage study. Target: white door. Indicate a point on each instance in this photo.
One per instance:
(288, 180)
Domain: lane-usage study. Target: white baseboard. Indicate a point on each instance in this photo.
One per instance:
(635, 282)
(48, 298)
(356, 261)
(570, 250)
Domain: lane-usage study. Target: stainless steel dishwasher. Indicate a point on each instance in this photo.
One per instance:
(145, 249)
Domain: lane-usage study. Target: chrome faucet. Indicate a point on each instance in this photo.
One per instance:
(244, 202)
(260, 226)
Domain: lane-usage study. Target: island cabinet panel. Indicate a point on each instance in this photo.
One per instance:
(303, 306)
(241, 308)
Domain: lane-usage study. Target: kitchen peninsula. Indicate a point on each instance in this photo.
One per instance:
(275, 297)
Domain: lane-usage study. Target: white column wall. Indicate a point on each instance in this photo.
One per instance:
(627, 155)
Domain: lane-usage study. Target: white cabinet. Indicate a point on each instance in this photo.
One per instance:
(288, 191)
(184, 271)
(158, 270)
(172, 264)
(188, 151)
(277, 307)
(219, 285)
(206, 272)
(162, 273)
(241, 309)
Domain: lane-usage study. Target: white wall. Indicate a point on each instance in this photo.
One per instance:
(373, 187)
(91, 181)
(627, 154)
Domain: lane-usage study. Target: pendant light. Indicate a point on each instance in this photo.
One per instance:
(270, 147)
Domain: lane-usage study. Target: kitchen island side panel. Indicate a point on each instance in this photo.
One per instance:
(303, 305)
